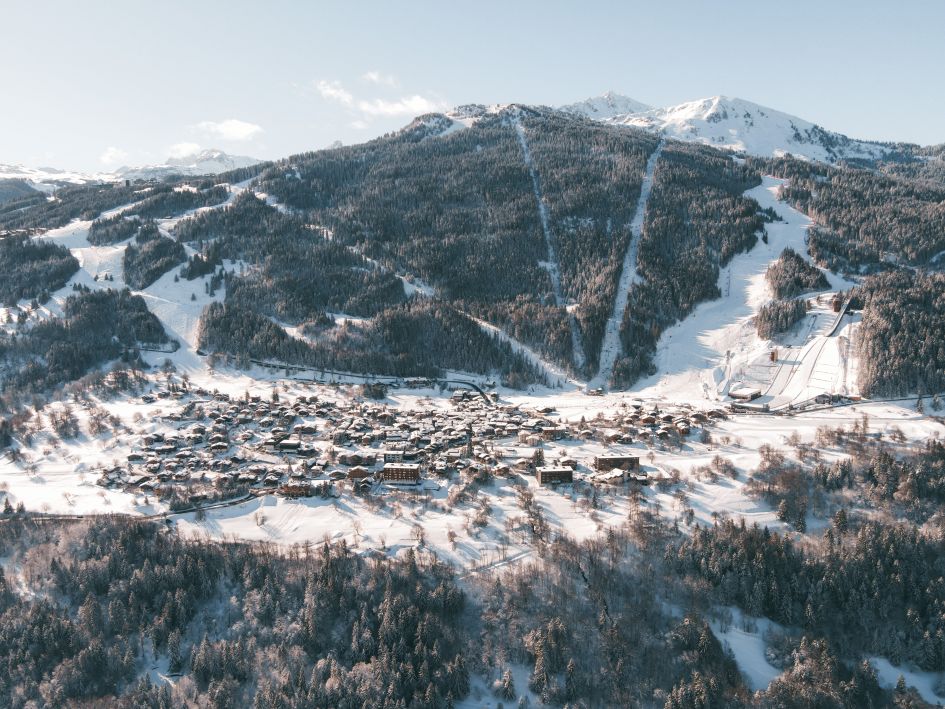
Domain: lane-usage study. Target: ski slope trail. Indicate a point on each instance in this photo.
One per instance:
(610, 347)
(552, 264)
(557, 377)
(717, 347)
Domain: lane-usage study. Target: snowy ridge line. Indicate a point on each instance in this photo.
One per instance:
(552, 266)
(610, 347)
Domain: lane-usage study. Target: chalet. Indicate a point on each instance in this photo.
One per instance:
(401, 472)
(552, 433)
(358, 472)
(604, 463)
(554, 475)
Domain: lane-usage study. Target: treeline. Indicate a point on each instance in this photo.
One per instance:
(150, 256)
(865, 220)
(169, 200)
(96, 327)
(325, 627)
(779, 316)
(420, 338)
(298, 272)
(111, 230)
(791, 275)
(877, 590)
(899, 342)
(32, 268)
(696, 220)
(331, 629)
(69, 202)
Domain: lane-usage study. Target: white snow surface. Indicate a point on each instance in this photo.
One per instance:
(607, 105)
(742, 126)
(924, 682)
(745, 636)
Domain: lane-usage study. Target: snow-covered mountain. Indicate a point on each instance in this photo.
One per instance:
(743, 126)
(46, 179)
(203, 162)
(608, 105)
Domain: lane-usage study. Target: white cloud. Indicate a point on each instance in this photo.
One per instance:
(113, 156)
(406, 106)
(183, 150)
(376, 77)
(363, 111)
(334, 91)
(230, 129)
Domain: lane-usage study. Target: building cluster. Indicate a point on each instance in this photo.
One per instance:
(212, 444)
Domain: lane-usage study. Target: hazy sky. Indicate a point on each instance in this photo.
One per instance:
(93, 85)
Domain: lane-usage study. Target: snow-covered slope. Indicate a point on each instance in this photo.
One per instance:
(204, 162)
(608, 105)
(46, 179)
(739, 125)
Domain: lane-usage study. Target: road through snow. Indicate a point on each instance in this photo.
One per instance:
(628, 276)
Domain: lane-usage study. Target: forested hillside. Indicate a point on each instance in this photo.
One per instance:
(298, 273)
(581, 625)
(32, 269)
(696, 221)
(461, 212)
(420, 338)
(96, 327)
(900, 342)
(70, 202)
(866, 221)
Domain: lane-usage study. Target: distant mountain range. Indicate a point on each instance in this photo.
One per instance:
(720, 121)
(204, 162)
(16, 180)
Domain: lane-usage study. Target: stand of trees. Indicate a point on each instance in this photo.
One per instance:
(334, 629)
(111, 230)
(169, 200)
(865, 220)
(325, 627)
(779, 316)
(32, 269)
(297, 271)
(71, 202)
(150, 256)
(420, 338)
(96, 327)
(791, 275)
(899, 341)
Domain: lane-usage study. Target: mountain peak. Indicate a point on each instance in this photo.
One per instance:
(607, 105)
(207, 161)
(739, 125)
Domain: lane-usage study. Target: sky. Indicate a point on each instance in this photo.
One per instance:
(95, 85)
